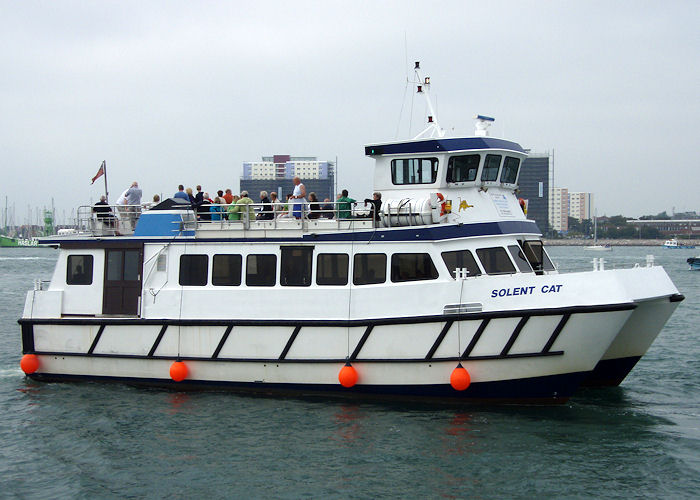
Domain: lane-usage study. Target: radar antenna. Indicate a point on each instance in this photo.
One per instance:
(423, 87)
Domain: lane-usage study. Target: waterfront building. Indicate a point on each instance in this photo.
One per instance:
(559, 209)
(276, 173)
(581, 206)
(534, 188)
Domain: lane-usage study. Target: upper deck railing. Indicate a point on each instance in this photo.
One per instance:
(121, 220)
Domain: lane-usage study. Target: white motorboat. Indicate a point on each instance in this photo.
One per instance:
(448, 294)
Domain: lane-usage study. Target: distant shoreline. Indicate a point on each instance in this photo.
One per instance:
(615, 243)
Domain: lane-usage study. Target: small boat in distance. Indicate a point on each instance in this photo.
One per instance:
(595, 246)
(694, 263)
(673, 244)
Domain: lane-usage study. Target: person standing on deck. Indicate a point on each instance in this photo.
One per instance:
(298, 199)
(344, 208)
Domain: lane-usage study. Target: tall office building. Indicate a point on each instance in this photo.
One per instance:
(534, 187)
(275, 173)
(559, 209)
(581, 206)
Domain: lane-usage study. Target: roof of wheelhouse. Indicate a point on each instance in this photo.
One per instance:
(441, 145)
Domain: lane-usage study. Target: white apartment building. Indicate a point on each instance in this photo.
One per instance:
(581, 205)
(559, 209)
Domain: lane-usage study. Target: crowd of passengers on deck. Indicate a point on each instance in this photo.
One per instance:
(227, 206)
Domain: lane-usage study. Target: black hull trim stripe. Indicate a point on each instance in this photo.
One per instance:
(340, 322)
(361, 343)
(475, 338)
(439, 340)
(291, 340)
(158, 339)
(556, 332)
(97, 339)
(514, 335)
(306, 361)
(222, 342)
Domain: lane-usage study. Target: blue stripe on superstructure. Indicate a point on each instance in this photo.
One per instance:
(442, 145)
(412, 233)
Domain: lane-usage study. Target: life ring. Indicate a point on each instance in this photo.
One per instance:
(443, 205)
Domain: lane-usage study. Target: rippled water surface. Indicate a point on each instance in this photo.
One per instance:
(90, 440)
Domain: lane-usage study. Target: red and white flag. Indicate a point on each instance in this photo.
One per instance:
(99, 173)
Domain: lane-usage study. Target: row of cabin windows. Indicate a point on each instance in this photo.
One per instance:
(333, 268)
(462, 168)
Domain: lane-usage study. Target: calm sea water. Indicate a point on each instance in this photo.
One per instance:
(91, 440)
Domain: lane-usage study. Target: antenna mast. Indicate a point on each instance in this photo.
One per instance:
(423, 87)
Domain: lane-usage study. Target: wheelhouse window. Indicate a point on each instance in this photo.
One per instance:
(296, 266)
(194, 270)
(414, 171)
(261, 270)
(332, 269)
(491, 165)
(537, 257)
(79, 270)
(460, 259)
(226, 270)
(463, 168)
(495, 260)
(412, 267)
(369, 268)
(510, 170)
(519, 257)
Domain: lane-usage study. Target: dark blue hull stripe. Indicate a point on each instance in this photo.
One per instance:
(610, 372)
(548, 389)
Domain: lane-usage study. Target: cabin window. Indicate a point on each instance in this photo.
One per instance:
(261, 270)
(538, 258)
(332, 269)
(491, 165)
(79, 270)
(194, 270)
(414, 171)
(510, 170)
(463, 168)
(369, 268)
(296, 266)
(461, 259)
(226, 270)
(412, 267)
(517, 253)
(495, 260)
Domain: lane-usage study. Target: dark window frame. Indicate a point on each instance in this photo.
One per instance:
(540, 263)
(334, 280)
(490, 168)
(473, 264)
(195, 259)
(217, 280)
(296, 270)
(396, 267)
(492, 257)
(521, 262)
(266, 283)
(364, 280)
(87, 273)
(508, 169)
(451, 168)
(433, 171)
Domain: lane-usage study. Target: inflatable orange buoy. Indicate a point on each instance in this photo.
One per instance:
(347, 375)
(460, 379)
(29, 363)
(178, 371)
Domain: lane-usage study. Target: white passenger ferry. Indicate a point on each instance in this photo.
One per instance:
(448, 294)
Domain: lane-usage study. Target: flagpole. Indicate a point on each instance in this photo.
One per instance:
(104, 163)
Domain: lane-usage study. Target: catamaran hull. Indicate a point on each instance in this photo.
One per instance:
(633, 341)
(537, 355)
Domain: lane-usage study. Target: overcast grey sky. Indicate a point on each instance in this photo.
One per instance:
(184, 92)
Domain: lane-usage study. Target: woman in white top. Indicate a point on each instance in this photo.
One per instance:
(298, 199)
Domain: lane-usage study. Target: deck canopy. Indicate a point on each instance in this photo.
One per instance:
(442, 145)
